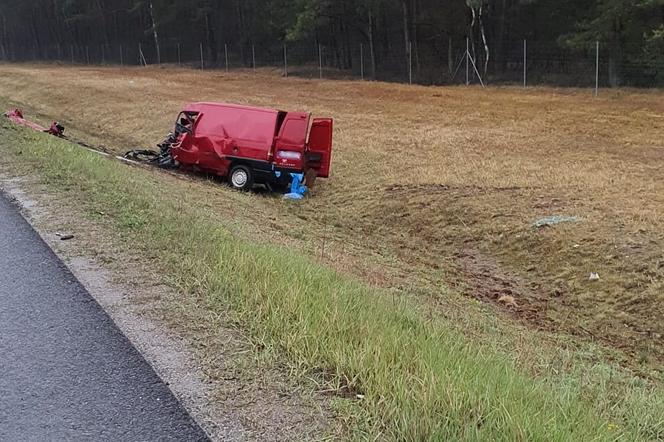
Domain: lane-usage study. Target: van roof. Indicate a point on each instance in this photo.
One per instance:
(200, 107)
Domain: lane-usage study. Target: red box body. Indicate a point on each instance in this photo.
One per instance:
(221, 136)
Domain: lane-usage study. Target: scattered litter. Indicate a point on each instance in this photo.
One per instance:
(293, 196)
(359, 396)
(64, 237)
(594, 276)
(553, 220)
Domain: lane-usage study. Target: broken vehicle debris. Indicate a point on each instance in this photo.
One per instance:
(16, 116)
(284, 151)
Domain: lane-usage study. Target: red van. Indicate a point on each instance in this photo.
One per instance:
(251, 145)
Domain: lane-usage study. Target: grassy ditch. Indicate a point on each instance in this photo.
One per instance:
(435, 191)
(405, 377)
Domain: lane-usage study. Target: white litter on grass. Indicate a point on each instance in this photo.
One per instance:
(553, 220)
(594, 276)
(293, 196)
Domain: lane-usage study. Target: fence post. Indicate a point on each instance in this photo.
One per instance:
(226, 55)
(285, 62)
(410, 62)
(597, 69)
(525, 59)
(179, 56)
(467, 61)
(253, 57)
(202, 61)
(362, 60)
(320, 62)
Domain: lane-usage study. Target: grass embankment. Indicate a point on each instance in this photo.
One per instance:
(434, 191)
(419, 379)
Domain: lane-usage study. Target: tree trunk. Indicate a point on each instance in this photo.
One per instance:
(240, 24)
(371, 45)
(471, 32)
(3, 35)
(406, 32)
(415, 46)
(502, 44)
(615, 55)
(102, 19)
(345, 45)
(211, 40)
(615, 64)
(155, 34)
(450, 58)
(486, 46)
(35, 32)
(335, 45)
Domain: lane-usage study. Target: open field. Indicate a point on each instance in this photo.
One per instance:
(432, 198)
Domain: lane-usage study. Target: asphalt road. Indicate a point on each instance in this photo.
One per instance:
(66, 370)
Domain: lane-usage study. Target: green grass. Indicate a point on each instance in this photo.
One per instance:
(420, 379)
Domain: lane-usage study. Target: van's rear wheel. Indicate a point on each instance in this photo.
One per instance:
(241, 178)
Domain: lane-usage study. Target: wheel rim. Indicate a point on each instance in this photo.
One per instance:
(239, 178)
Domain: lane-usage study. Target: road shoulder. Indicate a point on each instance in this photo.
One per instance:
(235, 394)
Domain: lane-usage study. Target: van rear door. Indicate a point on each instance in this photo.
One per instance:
(319, 155)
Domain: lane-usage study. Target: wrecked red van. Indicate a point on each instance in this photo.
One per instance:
(250, 145)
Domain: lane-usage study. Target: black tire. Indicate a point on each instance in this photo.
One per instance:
(241, 178)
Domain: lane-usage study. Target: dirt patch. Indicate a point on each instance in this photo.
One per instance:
(485, 280)
(230, 391)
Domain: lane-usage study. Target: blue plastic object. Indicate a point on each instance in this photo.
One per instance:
(297, 189)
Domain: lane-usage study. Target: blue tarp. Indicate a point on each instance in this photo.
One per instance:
(297, 189)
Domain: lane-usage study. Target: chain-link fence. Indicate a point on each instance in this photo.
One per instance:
(522, 62)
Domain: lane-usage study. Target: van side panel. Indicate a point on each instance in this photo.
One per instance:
(243, 132)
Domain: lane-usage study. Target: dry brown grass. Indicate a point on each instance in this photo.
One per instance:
(434, 190)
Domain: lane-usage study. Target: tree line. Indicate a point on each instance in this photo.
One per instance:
(394, 33)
